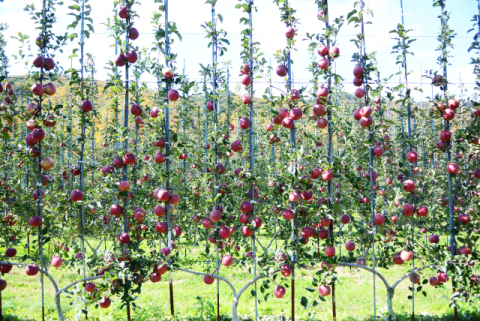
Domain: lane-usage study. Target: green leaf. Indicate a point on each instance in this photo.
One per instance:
(304, 302)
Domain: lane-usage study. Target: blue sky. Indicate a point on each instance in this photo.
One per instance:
(269, 31)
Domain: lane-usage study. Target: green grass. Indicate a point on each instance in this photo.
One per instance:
(354, 297)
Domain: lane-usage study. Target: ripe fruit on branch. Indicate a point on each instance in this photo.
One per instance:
(294, 94)
(406, 255)
(168, 73)
(37, 89)
(282, 70)
(445, 135)
(412, 156)
(124, 186)
(433, 281)
(32, 269)
(129, 159)
(245, 69)
(227, 260)
(359, 93)
(327, 175)
(324, 64)
(245, 80)
(408, 210)
(434, 239)
(345, 219)
(437, 80)
(244, 123)
(159, 158)
(237, 146)
(56, 261)
(415, 278)
(296, 113)
(288, 214)
(463, 219)
(377, 151)
(323, 92)
(133, 34)
(246, 207)
(323, 50)
(379, 219)
(124, 238)
(330, 251)
(350, 246)
(120, 60)
(246, 231)
(123, 12)
(321, 123)
(319, 110)
(10, 252)
(286, 270)
(290, 33)
(308, 231)
(49, 64)
(357, 82)
(448, 114)
(409, 185)
(161, 227)
(324, 290)
(173, 95)
(116, 210)
(453, 168)
(367, 175)
(50, 89)
(76, 195)
(279, 291)
(132, 56)
(422, 211)
(288, 122)
(47, 163)
(334, 52)
(105, 302)
(208, 279)
(366, 121)
(246, 99)
(162, 195)
(90, 287)
(174, 199)
(358, 71)
(453, 103)
(38, 62)
(224, 232)
(136, 110)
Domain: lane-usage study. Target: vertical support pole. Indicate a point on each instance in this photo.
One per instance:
(409, 133)
(370, 148)
(330, 158)
(167, 152)
(125, 143)
(215, 115)
(252, 145)
(39, 178)
(82, 151)
(446, 125)
(293, 146)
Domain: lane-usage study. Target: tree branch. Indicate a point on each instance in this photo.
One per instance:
(369, 270)
(76, 282)
(10, 263)
(410, 273)
(212, 275)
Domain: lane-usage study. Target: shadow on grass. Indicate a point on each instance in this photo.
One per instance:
(470, 316)
(11, 317)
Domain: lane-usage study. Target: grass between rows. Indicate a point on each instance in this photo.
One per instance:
(194, 300)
